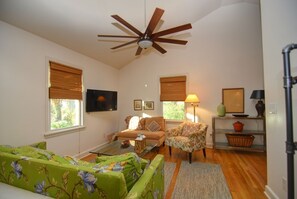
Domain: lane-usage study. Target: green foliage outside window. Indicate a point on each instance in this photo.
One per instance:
(64, 113)
(174, 110)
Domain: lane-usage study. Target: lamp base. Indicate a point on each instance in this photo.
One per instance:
(260, 107)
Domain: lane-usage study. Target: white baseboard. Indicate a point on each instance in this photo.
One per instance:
(87, 152)
(209, 145)
(269, 193)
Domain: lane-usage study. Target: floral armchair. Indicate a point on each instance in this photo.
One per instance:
(188, 137)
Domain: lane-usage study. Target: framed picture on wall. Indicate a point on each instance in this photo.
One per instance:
(233, 99)
(148, 105)
(137, 105)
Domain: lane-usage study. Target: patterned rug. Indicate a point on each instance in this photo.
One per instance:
(200, 181)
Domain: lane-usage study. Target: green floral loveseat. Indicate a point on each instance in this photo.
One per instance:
(38, 170)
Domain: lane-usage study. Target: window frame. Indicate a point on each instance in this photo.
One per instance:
(57, 132)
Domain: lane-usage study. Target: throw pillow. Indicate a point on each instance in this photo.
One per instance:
(153, 126)
(33, 152)
(190, 128)
(129, 164)
(6, 148)
(159, 120)
(133, 122)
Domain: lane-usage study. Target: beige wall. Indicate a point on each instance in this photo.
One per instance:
(224, 51)
(23, 87)
(279, 29)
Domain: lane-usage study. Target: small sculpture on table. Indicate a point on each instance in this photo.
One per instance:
(140, 143)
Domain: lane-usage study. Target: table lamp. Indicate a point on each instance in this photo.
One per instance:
(194, 100)
(260, 106)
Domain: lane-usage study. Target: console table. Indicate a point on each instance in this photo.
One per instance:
(253, 126)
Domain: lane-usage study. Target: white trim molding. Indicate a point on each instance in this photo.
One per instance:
(269, 193)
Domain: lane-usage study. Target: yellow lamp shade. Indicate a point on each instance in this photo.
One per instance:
(192, 98)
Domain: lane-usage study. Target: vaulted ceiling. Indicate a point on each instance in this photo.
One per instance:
(75, 24)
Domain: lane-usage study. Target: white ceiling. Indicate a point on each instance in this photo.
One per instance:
(75, 24)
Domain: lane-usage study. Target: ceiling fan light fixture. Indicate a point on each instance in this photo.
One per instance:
(145, 43)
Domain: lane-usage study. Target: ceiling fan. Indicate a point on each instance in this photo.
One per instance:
(149, 38)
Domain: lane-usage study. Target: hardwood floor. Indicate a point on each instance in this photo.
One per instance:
(245, 172)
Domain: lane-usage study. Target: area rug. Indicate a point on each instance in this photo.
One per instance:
(200, 181)
(169, 168)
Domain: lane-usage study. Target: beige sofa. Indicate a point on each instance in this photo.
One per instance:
(153, 128)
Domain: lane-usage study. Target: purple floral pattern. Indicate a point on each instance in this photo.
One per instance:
(17, 169)
(88, 179)
(39, 188)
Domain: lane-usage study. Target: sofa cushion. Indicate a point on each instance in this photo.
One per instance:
(129, 164)
(153, 126)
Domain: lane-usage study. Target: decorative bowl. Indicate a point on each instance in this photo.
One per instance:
(125, 144)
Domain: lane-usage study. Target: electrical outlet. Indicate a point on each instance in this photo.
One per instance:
(284, 183)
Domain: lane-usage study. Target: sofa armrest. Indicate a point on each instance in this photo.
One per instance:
(151, 183)
(59, 180)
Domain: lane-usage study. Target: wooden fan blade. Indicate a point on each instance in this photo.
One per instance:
(119, 36)
(171, 41)
(172, 30)
(125, 44)
(125, 23)
(138, 51)
(159, 48)
(154, 21)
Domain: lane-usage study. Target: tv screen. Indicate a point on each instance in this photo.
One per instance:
(100, 100)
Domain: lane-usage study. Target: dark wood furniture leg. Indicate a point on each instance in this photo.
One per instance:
(190, 158)
(204, 153)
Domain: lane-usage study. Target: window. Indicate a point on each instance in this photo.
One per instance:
(64, 113)
(173, 95)
(65, 97)
(174, 110)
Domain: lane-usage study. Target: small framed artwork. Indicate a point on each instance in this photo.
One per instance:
(148, 105)
(137, 105)
(233, 99)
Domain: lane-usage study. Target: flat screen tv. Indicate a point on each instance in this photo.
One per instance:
(100, 100)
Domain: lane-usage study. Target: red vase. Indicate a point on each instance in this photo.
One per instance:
(238, 126)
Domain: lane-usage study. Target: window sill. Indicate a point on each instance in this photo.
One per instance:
(170, 121)
(56, 133)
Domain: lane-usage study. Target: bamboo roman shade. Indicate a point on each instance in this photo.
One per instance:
(65, 82)
(173, 88)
